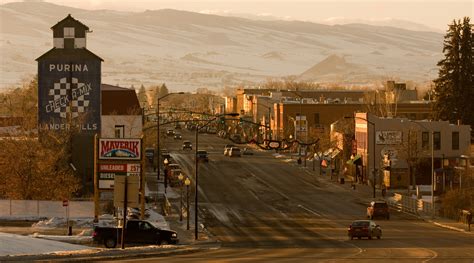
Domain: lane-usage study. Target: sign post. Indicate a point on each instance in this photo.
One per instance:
(66, 204)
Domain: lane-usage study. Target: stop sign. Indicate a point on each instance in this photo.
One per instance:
(65, 202)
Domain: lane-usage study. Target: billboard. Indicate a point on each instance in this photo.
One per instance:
(69, 91)
(120, 149)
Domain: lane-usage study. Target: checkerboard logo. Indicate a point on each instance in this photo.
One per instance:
(69, 98)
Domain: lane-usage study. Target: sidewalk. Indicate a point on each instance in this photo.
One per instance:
(364, 193)
(173, 195)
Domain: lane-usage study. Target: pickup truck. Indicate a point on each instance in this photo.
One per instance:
(137, 232)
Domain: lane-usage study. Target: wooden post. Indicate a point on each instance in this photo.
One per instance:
(142, 181)
(96, 182)
(125, 200)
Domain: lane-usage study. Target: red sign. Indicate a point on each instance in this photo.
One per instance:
(65, 202)
(120, 149)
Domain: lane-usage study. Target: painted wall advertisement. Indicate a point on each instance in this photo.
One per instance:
(388, 137)
(69, 91)
(119, 149)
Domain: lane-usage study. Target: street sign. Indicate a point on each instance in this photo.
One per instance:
(65, 202)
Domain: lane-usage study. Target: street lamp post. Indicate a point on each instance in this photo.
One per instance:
(166, 162)
(158, 131)
(373, 145)
(196, 169)
(187, 182)
(180, 178)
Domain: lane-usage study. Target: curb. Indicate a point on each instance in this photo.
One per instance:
(107, 254)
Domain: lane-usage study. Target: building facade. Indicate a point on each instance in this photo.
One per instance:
(392, 149)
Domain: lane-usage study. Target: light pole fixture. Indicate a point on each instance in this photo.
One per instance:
(373, 145)
(165, 162)
(180, 178)
(196, 169)
(187, 182)
(158, 154)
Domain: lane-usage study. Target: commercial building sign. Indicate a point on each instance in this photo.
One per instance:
(69, 93)
(108, 172)
(388, 137)
(119, 149)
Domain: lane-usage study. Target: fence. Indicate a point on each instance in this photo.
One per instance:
(410, 205)
(39, 208)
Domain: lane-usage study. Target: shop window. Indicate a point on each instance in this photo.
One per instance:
(455, 140)
(437, 140)
(425, 140)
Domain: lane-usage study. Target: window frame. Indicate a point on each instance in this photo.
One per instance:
(121, 130)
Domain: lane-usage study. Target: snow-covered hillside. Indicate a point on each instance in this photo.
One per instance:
(191, 50)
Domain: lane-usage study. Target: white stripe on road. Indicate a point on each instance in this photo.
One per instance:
(309, 210)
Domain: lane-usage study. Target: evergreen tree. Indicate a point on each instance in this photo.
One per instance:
(142, 97)
(467, 72)
(447, 85)
(163, 90)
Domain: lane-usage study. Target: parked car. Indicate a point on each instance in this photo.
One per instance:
(227, 149)
(378, 209)
(173, 176)
(364, 228)
(247, 151)
(187, 145)
(177, 136)
(202, 156)
(138, 231)
(234, 152)
(169, 132)
(212, 130)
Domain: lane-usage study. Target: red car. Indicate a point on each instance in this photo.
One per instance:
(364, 228)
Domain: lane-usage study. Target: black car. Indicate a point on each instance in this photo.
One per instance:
(177, 136)
(170, 132)
(138, 232)
(202, 156)
(187, 145)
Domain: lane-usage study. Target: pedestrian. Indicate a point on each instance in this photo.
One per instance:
(469, 220)
(384, 190)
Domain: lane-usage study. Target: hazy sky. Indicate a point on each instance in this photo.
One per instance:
(432, 13)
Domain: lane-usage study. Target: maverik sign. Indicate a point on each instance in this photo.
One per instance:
(119, 149)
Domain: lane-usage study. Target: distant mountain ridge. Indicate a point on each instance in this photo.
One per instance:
(191, 50)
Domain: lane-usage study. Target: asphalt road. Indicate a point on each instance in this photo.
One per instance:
(264, 209)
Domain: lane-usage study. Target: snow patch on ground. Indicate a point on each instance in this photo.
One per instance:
(12, 244)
